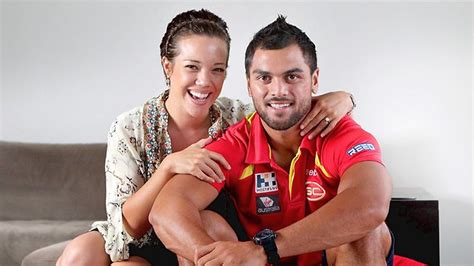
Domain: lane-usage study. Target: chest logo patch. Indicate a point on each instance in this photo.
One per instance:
(268, 204)
(314, 191)
(265, 182)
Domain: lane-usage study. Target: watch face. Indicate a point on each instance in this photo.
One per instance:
(264, 235)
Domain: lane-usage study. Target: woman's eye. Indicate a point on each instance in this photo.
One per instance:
(192, 67)
(219, 69)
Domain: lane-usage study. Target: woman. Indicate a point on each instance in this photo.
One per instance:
(151, 143)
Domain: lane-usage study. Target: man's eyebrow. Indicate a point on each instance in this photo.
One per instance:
(260, 72)
(294, 70)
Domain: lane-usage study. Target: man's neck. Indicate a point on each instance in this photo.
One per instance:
(284, 144)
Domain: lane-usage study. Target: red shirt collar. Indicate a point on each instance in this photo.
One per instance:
(258, 151)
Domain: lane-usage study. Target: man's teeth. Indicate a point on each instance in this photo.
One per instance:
(198, 95)
(279, 105)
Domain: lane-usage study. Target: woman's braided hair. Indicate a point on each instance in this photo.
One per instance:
(200, 22)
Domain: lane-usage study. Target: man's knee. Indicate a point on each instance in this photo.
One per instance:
(372, 248)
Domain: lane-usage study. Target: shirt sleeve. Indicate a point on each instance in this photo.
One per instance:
(123, 172)
(347, 145)
(233, 149)
(233, 110)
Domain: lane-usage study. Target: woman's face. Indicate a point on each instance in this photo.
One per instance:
(197, 73)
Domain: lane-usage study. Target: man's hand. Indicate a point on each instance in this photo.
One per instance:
(230, 253)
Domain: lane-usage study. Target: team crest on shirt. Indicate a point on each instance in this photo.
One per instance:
(268, 204)
(265, 182)
(314, 191)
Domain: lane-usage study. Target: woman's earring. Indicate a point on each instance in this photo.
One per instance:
(168, 82)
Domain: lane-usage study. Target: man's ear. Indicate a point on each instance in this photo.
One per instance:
(167, 66)
(248, 87)
(314, 81)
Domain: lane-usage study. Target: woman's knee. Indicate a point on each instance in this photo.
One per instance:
(132, 261)
(86, 249)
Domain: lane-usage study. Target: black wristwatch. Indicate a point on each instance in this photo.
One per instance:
(266, 239)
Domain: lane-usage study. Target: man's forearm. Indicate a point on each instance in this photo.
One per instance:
(353, 213)
(175, 215)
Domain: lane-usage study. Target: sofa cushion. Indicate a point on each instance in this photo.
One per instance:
(46, 256)
(19, 238)
(52, 181)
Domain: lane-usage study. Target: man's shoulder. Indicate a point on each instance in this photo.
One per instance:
(345, 137)
(346, 128)
(347, 144)
(235, 135)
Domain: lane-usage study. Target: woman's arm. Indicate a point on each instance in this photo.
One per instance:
(194, 160)
(123, 178)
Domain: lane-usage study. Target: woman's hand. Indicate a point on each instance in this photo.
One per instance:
(327, 110)
(199, 162)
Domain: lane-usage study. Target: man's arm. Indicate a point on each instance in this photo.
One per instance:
(360, 206)
(175, 214)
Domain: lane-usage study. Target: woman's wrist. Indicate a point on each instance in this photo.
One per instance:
(352, 102)
(166, 167)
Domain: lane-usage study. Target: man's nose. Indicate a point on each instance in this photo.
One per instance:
(278, 88)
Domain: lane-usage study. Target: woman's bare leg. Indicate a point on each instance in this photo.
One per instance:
(86, 249)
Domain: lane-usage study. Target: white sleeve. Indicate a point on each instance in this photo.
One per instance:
(233, 110)
(124, 176)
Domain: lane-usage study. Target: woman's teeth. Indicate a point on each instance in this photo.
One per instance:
(199, 96)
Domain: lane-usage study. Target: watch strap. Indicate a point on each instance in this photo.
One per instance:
(272, 254)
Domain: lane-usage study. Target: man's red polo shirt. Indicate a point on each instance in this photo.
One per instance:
(266, 195)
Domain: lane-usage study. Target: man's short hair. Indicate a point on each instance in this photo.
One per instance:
(278, 35)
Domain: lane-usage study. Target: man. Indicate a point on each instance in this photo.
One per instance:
(328, 194)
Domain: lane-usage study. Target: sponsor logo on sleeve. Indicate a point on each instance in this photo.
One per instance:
(361, 147)
(265, 182)
(314, 191)
(268, 204)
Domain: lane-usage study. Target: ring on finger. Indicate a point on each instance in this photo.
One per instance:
(327, 120)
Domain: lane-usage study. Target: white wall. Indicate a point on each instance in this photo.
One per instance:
(69, 69)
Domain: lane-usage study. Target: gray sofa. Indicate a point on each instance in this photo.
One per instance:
(49, 193)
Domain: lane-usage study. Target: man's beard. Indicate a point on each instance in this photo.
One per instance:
(294, 118)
